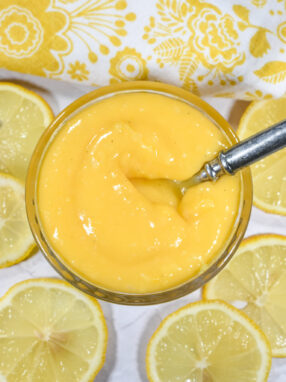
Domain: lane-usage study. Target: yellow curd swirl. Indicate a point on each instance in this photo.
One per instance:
(106, 222)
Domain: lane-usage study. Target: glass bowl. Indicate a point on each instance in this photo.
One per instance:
(208, 271)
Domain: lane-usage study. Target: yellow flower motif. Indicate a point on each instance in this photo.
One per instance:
(26, 45)
(128, 64)
(257, 95)
(99, 25)
(193, 34)
(259, 3)
(21, 34)
(281, 31)
(78, 71)
(214, 38)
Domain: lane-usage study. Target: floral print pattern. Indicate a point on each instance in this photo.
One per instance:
(128, 64)
(78, 71)
(219, 48)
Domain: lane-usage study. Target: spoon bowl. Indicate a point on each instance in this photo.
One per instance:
(237, 157)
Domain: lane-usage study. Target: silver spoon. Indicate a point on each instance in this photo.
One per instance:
(237, 157)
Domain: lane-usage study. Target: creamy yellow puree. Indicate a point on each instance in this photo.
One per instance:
(106, 222)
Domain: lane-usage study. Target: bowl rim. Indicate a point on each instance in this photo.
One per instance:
(199, 279)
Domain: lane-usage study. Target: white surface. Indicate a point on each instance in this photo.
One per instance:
(129, 327)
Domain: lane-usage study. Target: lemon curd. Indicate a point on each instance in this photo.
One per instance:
(110, 225)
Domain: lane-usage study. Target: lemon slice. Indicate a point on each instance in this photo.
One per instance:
(23, 117)
(208, 341)
(49, 331)
(256, 279)
(16, 239)
(269, 180)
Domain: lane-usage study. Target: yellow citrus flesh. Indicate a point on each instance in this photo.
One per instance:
(269, 180)
(23, 117)
(49, 331)
(16, 238)
(256, 278)
(208, 341)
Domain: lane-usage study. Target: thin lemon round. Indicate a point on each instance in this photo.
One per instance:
(23, 117)
(256, 278)
(16, 242)
(208, 341)
(269, 180)
(50, 331)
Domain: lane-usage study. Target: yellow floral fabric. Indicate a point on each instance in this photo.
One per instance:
(234, 48)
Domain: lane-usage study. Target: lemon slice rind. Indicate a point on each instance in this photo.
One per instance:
(28, 244)
(245, 129)
(50, 284)
(23, 117)
(32, 96)
(250, 244)
(194, 308)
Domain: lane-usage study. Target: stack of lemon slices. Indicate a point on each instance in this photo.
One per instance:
(213, 341)
(256, 280)
(23, 117)
(49, 331)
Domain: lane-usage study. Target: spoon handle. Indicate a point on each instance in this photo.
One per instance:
(254, 148)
